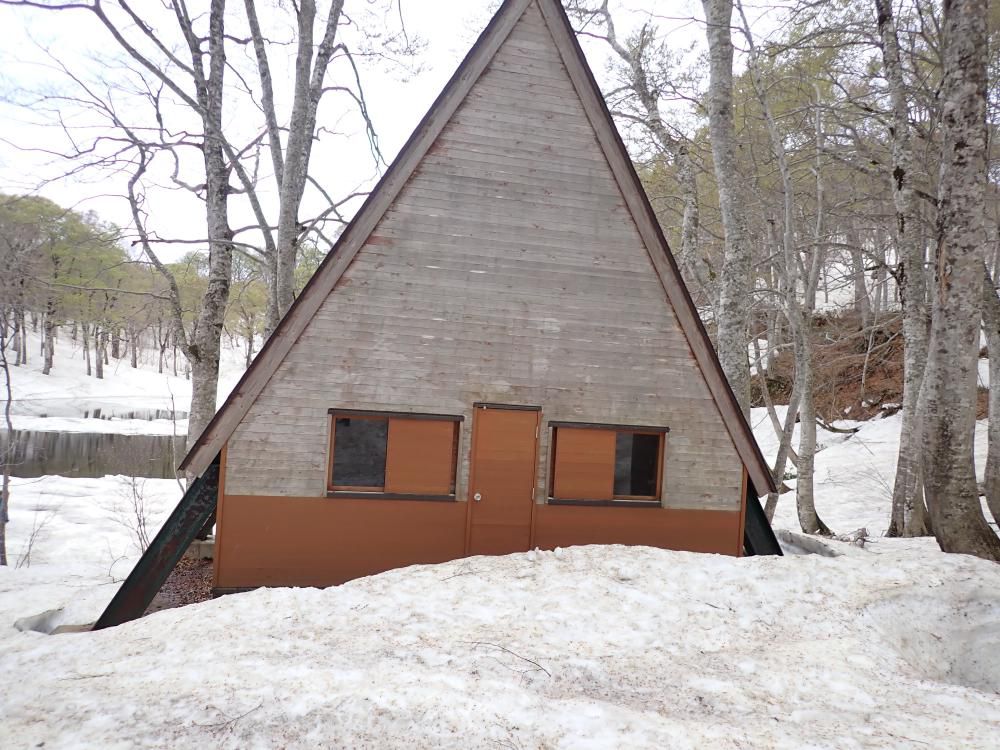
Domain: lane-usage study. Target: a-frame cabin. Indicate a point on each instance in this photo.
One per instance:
(498, 354)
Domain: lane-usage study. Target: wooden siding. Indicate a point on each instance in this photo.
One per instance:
(304, 541)
(690, 530)
(509, 270)
(287, 541)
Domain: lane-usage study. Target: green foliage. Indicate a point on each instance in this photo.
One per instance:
(310, 256)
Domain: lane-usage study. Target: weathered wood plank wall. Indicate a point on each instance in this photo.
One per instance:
(508, 270)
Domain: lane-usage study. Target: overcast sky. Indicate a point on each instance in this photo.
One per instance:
(33, 45)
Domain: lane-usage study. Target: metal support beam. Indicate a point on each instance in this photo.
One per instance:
(169, 545)
(758, 537)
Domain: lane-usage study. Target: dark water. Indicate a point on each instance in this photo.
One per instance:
(92, 454)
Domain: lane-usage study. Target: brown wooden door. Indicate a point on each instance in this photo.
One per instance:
(502, 477)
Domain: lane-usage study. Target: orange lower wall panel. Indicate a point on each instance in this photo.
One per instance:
(299, 541)
(692, 530)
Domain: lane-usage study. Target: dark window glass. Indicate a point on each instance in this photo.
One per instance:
(636, 459)
(359, 447)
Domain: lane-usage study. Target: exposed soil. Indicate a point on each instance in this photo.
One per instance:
(857, 375)
(190, 582)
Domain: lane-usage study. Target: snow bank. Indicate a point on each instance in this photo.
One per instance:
(70, 543)
(854, 472)
(590, 647)
(90, 425)
(68, 392)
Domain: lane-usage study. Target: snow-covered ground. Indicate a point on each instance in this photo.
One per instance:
(589, 647)
(69, 394)
(70, 541)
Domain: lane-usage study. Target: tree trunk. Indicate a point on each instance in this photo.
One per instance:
(133, 338)
(24, 341)
(291, 168)
(799, 313)
(48, 340)
(161, 344)
(862, 302)
(949, 390)
(735, 283)
(86, 347)
(908, 513)
(784, 449)
(203, 353)
(98, 353)
(991, 325)
(686, 177)
(805, 500)
(9, 451)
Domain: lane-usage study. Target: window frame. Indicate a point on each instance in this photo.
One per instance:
(617, 501)
(379, 493)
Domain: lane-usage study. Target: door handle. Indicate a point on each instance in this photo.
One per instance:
(477, 497)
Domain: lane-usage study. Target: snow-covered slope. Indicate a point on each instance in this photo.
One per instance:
(70, 543)
(67, 392)
(854, 472)
(588, 647)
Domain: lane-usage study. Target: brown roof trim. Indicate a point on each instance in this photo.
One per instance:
(621, 165)
(225, 421)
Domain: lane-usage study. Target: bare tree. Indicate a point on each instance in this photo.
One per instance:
(291, 164)
(8, 452)
(948, 397)
(197, 85)
(908, 509)
(637, 101)
(176, 69)
(735, 282)
(798, 311)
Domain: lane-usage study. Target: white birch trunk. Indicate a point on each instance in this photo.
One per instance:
(948, 397)
(735, 282)
(799, 313)
(908, 510)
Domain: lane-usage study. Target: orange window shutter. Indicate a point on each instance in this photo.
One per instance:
(584, 464)
(421, 458)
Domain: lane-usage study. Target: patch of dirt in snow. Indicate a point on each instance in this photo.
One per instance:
(594, 647)
(190, 582)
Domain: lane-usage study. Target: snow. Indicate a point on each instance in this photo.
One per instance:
(542, 650)
(82, 546)
(68, 392)
(853, 473)
(114, 425)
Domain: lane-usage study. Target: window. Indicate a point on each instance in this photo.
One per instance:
(606, 463)
(378, 454)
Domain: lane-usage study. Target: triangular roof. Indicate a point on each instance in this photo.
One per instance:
(210, 442)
